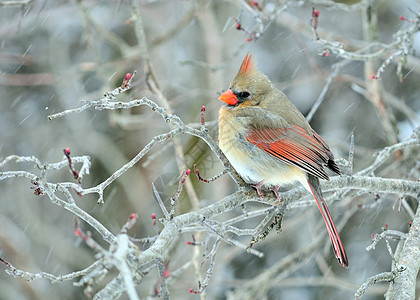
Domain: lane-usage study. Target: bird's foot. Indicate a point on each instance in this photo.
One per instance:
(276, 192)
(258, 188)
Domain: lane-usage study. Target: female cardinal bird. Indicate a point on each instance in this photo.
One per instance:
(270, 143)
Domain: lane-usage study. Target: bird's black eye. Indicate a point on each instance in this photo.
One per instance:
(242, 95)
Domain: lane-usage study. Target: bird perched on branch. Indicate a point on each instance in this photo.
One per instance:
(270, 144)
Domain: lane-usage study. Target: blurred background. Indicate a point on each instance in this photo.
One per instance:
(54, 54)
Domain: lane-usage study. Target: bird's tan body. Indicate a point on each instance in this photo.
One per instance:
(259, 165)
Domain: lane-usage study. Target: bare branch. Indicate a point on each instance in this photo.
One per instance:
(53, 278)
(385, 276)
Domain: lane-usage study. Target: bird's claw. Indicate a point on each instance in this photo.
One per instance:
(276, 192)
(258, 188)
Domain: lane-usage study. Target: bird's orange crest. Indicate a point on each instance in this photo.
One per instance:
(247, 64)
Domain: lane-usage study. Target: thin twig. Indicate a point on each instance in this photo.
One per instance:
(160, 202)
(336, 69)
(181, 182)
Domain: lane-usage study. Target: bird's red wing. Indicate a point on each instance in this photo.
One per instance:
(294, 145)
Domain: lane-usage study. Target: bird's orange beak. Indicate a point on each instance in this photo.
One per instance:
(229, 97)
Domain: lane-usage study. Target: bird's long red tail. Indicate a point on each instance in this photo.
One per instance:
(338, 247)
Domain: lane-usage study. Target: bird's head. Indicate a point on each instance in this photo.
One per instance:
(249, 87)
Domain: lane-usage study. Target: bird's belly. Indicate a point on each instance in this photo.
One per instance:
(255, 165)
